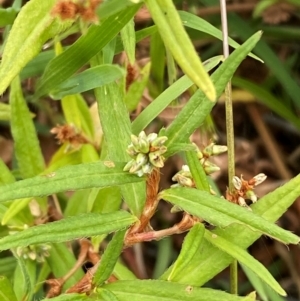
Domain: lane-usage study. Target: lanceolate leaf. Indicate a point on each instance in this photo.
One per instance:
(157, 290)
(171, 30)
(116, 128)
(191, 245)
(212, 260)
(85, 225)
(86, 47)
(198, 107)
(6, 290)
(89, 175)
(195, 22)
(109, 258)
(27, 148)
(88, 80)
(222, 213)
(245, 258)
(165, 98)
(33, 26)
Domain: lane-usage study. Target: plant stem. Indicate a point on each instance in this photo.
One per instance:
(230, 137)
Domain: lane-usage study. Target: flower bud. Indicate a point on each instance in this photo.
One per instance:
(144, 146)
(151, 137)
(237, 183)
(259, 178)
(128, 165)
(156, 159)
(159, 141)
(210, 168)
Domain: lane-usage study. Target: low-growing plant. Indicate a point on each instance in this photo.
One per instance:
(113, 167)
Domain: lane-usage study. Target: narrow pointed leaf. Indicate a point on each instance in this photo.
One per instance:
(4, 111)
(222, 213)
(76, 112)
(165, 98)
(74, 227)
(157, 290)
(85, 48)
(128, 39)
(116, 130)
(87, 80)
(27, 148)
(81, 176)
(6, 176)
(245, 258)
(27, 36)
(191, 245)
(170, 27)
(198, 107)
(195, 22)
(212, 260)
(6, 290)
(197, 170)
(109, 258)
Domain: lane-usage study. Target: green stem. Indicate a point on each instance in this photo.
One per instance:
(230, 137)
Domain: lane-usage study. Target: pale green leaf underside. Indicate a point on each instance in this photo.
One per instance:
(74, 227)
(81, 176)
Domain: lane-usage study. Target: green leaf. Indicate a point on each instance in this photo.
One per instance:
(128, 38)
(212, 260)
(195, 22)
(116, 130)
(109, 258)
(7, 266)
(81, 176)
(24, 278)
(136, 89)
(7, 16)
(219, 212)
(264, 291)
(122, 272)
(245, 258)
(268, 99)
(26, 144)
(197, 170)
(14, 208)
(191, 244)
(74, 227)
(76, 112)
(6, 290)
(88, 80)
(6, 176)
(165, 98)
(69, 297)
(4, 111)
(170, 27)
(198, 107)
(85, 48)
(157, 290)
(33, 26)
